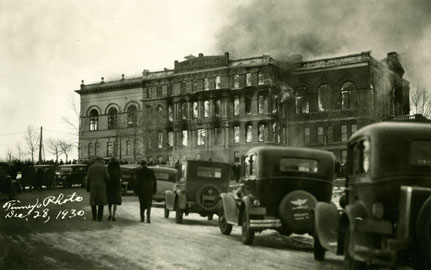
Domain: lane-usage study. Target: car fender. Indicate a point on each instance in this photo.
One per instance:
(230, 208)
(326, 218)
(181, 199)
(170, 200)
(246, 205)
(353, 214)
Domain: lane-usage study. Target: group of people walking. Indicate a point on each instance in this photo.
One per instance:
(104, 185)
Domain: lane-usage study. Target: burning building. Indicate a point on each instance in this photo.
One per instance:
(214, 107)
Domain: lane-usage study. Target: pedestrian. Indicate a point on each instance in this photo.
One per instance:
(146, 186)
(113, 187)
(97, 177)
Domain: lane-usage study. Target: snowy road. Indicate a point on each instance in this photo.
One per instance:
(58, 239)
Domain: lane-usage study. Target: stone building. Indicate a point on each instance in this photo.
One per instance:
(214, 107)
(335, 97)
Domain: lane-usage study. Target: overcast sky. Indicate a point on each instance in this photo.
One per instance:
(48, 47)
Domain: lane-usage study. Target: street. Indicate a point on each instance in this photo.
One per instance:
(52, 229)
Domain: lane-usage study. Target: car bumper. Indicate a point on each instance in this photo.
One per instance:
(265, 223)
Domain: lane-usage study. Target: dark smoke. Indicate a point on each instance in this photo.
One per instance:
(324, 28)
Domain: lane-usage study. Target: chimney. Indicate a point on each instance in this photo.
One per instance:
(82, 84)
(394, 63)
(145, 72)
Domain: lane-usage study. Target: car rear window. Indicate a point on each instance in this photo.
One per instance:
(66, 169)
(420, 153)
(298, 164)
(210, 172)
(164, 177)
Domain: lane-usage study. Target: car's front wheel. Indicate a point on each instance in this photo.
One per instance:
(247, 233)
(179, 216)
(225, 227)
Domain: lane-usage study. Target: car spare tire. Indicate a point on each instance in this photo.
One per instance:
(207, 197)
(295, 211)
(423, 228)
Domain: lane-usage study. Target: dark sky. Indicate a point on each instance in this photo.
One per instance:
(327, 28)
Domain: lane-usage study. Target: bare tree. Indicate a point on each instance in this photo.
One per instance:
(9, 155)
(74, 123)
(54, 148)
(65, 148)
(420, 101)
(32, 141)
(19, 149)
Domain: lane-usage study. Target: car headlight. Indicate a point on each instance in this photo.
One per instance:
(256, 203)
(377, 210)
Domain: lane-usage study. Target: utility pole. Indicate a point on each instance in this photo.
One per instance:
(41, 146)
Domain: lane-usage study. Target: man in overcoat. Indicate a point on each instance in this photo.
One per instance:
(97, 177)
(146, 186)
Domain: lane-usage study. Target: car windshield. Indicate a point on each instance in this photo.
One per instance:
(210, 172)
(420, 153)
(298, 164)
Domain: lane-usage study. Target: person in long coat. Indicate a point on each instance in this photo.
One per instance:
(113, 187)
(97, 177)
(146, 186)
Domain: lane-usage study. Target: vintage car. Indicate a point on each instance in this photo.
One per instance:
(8, 184)
(279, 188)
(72, 174)
(128, 177)
(45, 176)
(385, 216)
(166, 180)
(199, 189)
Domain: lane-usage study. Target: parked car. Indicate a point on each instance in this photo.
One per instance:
(199, 189)
(385, 216)
(128, 177)
(8, 184)
(72, 174)
(46, 173)
(166, 180)
(279, 188)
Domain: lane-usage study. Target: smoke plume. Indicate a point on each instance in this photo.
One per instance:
(327, 28)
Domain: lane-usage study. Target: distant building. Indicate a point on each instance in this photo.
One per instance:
(213, 107)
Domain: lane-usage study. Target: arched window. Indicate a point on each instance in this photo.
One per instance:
(261, 104)
(132, 116)
(249, 132)
(195, 109)
(275, 133)
(170, 112)
(247, 104)
(94, 120)
(348, 98)
(112, 118)
(324, 97)
(236, 106)
(236, 81)
(206, 108)
(302, 100)
(236, 134)
(184, 110)
(217, 108)
(261, 132)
